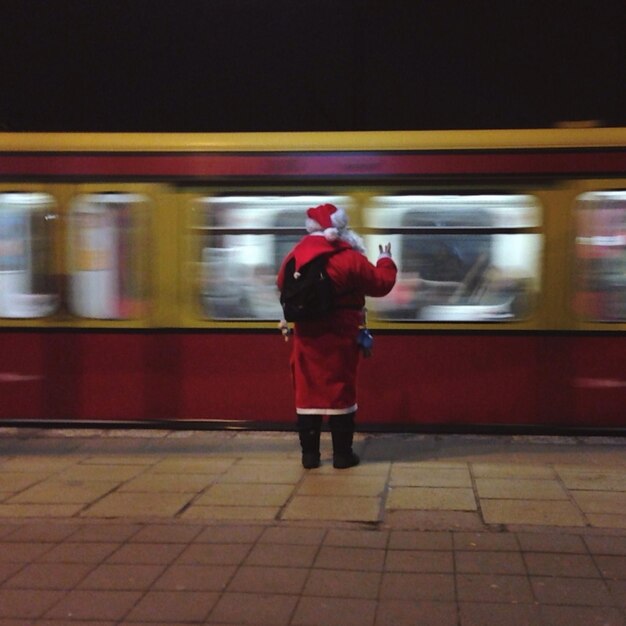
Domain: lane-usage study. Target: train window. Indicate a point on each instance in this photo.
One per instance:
(600, 256)
(460, 258)
(241, 241)
(109, 255)
(28, 280)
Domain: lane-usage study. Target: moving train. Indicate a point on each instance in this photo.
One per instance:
(137, 276)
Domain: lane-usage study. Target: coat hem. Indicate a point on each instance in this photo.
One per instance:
(350, 409)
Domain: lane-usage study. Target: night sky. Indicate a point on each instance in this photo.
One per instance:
(286, 65)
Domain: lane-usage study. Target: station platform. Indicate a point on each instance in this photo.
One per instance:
(134, 527)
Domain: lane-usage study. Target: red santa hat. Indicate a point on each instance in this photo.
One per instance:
(328, 219)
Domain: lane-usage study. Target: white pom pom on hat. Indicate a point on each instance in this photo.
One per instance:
(328, 219)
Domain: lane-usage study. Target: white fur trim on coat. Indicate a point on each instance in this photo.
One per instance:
(350, 409)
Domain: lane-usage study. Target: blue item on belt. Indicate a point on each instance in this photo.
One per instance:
(365, 341)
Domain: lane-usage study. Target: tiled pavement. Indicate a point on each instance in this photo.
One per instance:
(120, 527)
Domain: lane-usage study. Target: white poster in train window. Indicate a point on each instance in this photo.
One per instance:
(94, 280)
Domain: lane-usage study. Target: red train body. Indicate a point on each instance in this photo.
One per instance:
(119, 304)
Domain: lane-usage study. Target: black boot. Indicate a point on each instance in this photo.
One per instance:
(309, 429)
(342, 432)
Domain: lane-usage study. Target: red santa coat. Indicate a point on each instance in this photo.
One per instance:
(325, 354)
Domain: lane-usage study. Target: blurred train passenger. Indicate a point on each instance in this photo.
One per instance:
(325, 350)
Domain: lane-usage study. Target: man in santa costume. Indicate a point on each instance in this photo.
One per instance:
(325, 351)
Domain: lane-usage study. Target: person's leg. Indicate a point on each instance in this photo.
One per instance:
(309, 428)
(342, 432)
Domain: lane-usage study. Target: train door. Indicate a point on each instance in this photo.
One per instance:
(108, 256)
(600, 256)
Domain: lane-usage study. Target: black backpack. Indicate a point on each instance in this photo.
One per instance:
(310, 295)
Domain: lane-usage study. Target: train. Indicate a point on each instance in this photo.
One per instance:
(137, 276)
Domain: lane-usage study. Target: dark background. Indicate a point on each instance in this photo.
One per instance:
(286, 65)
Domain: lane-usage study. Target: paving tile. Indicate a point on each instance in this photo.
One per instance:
(253, 579)
(492, 614)
(412, 612)
(167, 533)
(232, 533)
(104, 531)
(8, 529)
(12, 482)
(152, 623)
(276, 555)
(551, 542)
(606, 520)
(122, 459)
(127, 577)
(455, 499)
(591, 479)
(342, 558)
(425, 520)
(183, 606)
(42, 465)
(444, 463)
(147, 553)
(478, 562)
(273, 473)
(27, 603)
(542, 512)
(194, 465)
(49, 576)
(511, 470)
(8, 569)
(167, 483)
(571, 591)
(365, 468)
(22, 552)
(94, 604)
(64, 622)
(416, 540)
(357, 509)
(419, 561)
(601, 501)
(239, 513)
(356, 538)
(254, 608)
(127, 505)
(606, 544)
(195, 577)
(214, 554)
(581, 616)
(416, 586)
(75, 552)
(342, 584)
(334, 612)
(299, 536)
(39, 510)
(107, 473)
(247, 495)
(42, 532)
(527, 489)
(499, 588)
(485, 541)
(617, 589)
(64, 492)
(611, 566)
(341, 485)
(567, 565)
(415, 476)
